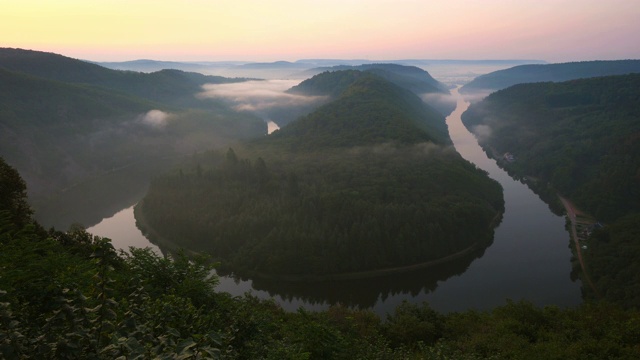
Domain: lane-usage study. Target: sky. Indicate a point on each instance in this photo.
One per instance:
(259, 30)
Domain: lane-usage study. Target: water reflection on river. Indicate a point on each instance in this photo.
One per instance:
(121, 229)
(365, 294)
(529, 258)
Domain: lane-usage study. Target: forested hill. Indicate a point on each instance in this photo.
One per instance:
(169, 86)
(411, 78)
(502, 79)
(362, 184)
(583, 138)
(369, 110)
(581, 135)
(330, 83)
(45, 124)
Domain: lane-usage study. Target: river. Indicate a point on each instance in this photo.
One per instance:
(529, 258)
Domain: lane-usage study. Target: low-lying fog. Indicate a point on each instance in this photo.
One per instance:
(450, 72)
(266, 99)
(258, 96)
(269, 100)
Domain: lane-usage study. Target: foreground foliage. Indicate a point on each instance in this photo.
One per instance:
(72, 296)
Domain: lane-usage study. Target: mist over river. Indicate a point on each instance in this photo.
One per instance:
(529, 258)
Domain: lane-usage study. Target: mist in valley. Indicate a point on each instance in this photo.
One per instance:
(267, 99)
(320, 180)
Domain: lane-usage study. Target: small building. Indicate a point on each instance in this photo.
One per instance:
(509, 157)
(596, 226)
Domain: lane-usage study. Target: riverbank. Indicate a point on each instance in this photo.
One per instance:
(153, 236)
(165, 244)
(572, 214)
(370, 274)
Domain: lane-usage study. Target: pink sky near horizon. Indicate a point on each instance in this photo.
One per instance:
(251, 30)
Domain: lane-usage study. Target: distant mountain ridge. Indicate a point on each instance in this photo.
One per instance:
(411, 77)
(274, 64)
(549, 72)
(173, 86)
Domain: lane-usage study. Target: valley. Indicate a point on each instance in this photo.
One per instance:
(367, 199)
(303, 180)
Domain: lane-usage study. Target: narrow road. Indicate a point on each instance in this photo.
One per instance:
(571, 213)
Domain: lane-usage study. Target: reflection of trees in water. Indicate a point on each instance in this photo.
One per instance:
(361, 294)
(365, 293)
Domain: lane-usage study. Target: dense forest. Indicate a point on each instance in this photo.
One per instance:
(64, 122)
(368, 181)
(70, 295)
(613, 261)
(581, 139)
(533, 73)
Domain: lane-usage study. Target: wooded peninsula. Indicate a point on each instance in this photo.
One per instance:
(366, 182)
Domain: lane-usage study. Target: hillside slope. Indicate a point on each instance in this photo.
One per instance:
(50, 128)
(62, 134)
(548, 72)
(580, 135)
